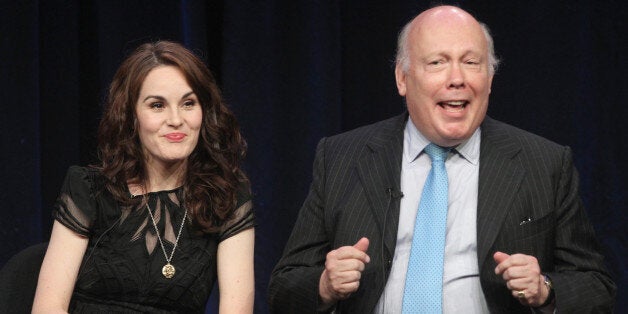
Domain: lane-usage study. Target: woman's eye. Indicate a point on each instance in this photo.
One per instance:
(189, 104)
(157, 105)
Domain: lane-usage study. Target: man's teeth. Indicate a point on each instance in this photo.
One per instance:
(453, 106)
(455, 103)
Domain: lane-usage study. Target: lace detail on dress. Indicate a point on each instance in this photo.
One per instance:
(163, 204)
(122, 267)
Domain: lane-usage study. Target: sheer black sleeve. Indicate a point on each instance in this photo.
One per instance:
(243, 217)
(76, 207)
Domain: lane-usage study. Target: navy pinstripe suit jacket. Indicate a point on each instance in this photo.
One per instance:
(521, 175)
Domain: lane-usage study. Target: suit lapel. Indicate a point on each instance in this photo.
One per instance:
(380, 171)
(499, 179)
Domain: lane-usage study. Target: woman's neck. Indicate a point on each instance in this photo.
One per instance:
(160, 177)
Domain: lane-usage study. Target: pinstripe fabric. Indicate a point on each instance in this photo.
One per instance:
(524, 177)
(521, 176)
(347, 200)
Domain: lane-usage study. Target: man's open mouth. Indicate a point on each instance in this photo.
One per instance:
(453, 105)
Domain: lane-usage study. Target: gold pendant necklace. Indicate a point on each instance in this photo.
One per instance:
(168, 270)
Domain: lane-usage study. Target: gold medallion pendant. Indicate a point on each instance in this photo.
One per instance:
(168, 271)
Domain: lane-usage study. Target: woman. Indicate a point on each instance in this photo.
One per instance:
(168, 210)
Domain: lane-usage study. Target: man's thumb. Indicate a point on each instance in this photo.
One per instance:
(500, 257)
(362, 245)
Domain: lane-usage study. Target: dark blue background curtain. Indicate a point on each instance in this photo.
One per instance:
(293, 72)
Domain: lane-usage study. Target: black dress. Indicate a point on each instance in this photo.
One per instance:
(121, 270)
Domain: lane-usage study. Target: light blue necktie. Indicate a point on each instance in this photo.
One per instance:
(423, 292)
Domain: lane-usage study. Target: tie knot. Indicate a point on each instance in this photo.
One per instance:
(436, 152)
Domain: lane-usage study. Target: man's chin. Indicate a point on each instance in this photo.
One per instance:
(450, 139)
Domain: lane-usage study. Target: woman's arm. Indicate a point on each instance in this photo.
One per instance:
(236, 280)
(59, 270)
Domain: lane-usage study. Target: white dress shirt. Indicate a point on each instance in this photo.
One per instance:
(462, 292)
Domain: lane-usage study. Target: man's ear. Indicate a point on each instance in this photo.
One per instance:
(490, 82)
(400, 78)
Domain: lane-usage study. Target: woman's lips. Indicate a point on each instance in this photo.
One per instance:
(175, 137)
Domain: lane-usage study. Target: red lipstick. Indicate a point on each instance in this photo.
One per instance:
(175, 137)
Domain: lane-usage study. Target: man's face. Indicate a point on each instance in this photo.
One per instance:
(447, 82)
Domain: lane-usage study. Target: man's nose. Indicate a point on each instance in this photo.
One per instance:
(456, 77)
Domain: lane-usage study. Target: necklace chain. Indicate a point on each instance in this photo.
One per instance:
(168, 259)
(168, 270)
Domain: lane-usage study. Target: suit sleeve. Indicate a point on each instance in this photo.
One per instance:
(581, 282)
(294, 282)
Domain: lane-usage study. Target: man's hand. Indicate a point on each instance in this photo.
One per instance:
(523, 277)
(343, 270)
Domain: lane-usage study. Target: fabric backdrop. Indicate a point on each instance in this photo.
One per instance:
(293, 72)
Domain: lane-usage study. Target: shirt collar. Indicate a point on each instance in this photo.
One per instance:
(415, 142)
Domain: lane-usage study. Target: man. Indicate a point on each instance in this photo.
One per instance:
(514, 234)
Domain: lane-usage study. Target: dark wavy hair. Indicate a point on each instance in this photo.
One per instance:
(213, 175)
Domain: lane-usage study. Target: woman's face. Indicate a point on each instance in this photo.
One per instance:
(169, 117)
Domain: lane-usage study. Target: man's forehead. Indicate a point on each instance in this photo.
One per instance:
(447, 27)
(445, 14)
(445, 18)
